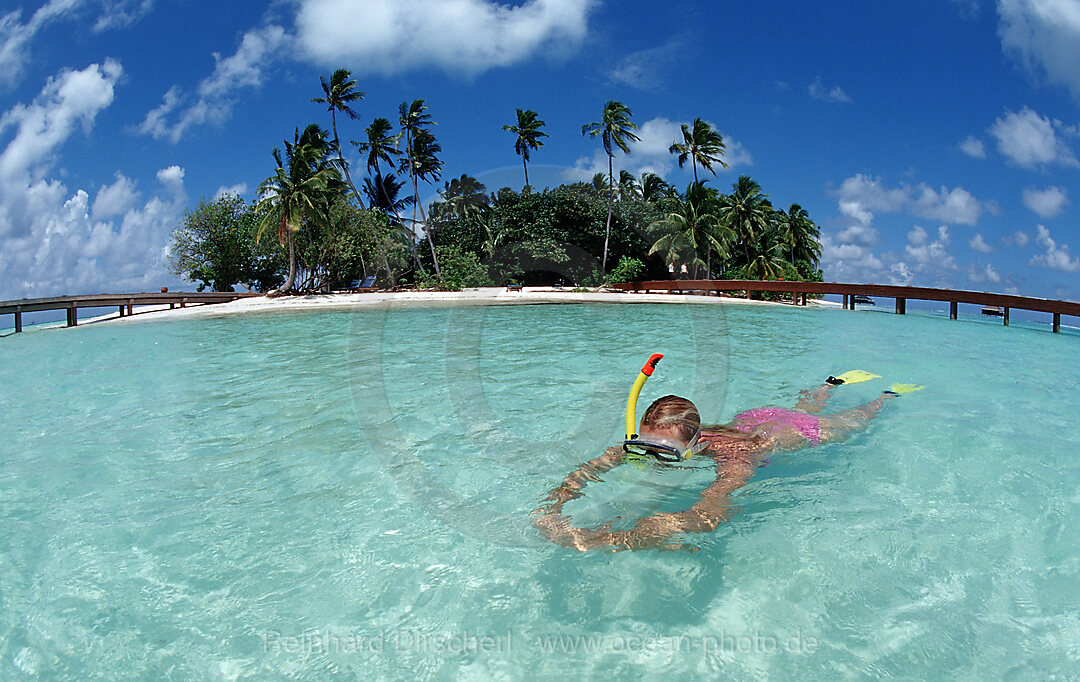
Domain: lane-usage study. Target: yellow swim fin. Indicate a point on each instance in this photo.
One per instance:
(901, 389)
(855, 376)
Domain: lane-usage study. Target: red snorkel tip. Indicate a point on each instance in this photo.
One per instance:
(647, 370)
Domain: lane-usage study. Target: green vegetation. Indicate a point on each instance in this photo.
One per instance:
(324, 237)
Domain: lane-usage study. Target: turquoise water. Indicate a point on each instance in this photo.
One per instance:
(332, 496)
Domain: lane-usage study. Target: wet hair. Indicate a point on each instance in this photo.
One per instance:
(673, 412)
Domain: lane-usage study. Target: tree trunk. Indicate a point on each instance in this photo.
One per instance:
(610, 202)
(288, 285)
(526, 167)
(427, 233)
(344, 166)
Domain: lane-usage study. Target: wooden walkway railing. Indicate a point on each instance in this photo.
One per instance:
(125, 302)
(850, 291)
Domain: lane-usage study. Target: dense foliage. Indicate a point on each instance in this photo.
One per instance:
(310, 229)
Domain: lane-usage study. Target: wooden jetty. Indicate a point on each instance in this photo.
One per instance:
(850, 291)
(125, 302)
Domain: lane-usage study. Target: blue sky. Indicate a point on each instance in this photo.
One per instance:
(935, 142)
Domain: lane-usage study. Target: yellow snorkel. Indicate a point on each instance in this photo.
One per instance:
(631, 402)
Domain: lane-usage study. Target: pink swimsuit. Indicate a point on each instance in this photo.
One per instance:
(806, 424)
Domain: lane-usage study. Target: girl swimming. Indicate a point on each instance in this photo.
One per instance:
(672, 424)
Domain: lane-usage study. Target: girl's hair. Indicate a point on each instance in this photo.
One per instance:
(671, 411)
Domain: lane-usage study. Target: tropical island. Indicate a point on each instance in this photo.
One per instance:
(313, 230)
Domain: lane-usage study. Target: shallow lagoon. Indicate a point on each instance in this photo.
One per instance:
(328, 495)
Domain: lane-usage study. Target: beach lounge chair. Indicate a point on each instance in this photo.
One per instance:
(513, 287)
(361, 286)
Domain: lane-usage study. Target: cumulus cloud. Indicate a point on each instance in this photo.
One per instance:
(983, 273)
(849, 261)
(58, 241)
(1031, 140)
(462, 36)
(1047, 203)
(69, 101)
(237, 190)
(216, 95)
(977, 243)
(650, 154)
(973, 147)
(115, 199)
(834, 94)
(929, 256)
(1054, 256)
(1018, 238)
(1044, 36)
(860, 197)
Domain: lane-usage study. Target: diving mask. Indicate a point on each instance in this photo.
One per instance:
(659, 447)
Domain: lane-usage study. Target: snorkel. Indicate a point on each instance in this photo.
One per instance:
(635, 390)
(663, 451)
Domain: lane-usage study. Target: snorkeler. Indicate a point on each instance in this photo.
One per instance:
(671, 430)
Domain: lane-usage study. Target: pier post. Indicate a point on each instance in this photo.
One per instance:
(18, 320)
(121, 310)
(131, 307)
(952, 310)
(901, 306)
(845, 301)
(72, 316)
(1057, 323)
(1005, 314)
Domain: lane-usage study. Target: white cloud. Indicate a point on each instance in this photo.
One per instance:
(1031, 140)
(983, 273)
(218, 92)
(977, 243)
(1044, 35)
(929, 257)
(973, 147)
(15, 38)
(122, 13)
(835, 94)
(1018, 238)
(860, 197)
(1054, 257)
(650, 154)
(849, 262)
(464, 36)
(115, 199)
(642, 69)
(1046, 203)
(238, 190)
(69, 100)
(51, 239)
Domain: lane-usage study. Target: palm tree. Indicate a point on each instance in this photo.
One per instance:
(464, 196)
(424, 164)
(528, 136)
(800, 235)
(653, 187)
(692, 225)
(412, 117)
(298, 191)
(702, 145)
(766, 256)
(747, 212)
(382, 192)
(380, 145)
(340, 92)
(614, 130)
(628, 185)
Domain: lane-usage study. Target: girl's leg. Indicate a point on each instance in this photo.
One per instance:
(835, 427)
(813, 401)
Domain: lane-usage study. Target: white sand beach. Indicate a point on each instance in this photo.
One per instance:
(477, 296)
